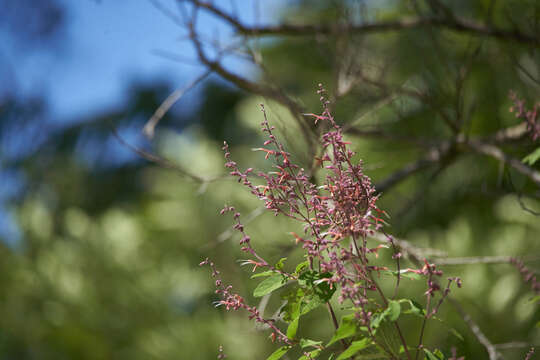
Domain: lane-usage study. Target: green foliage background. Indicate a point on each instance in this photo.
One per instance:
(107, 262)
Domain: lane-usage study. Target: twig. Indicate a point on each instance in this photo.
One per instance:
(495, 152)
(482, 339)
(167, 164)
(482, 260)
(434, 155)
(176, 95)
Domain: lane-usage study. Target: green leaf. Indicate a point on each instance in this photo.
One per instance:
(264, 273)
(279, 264)
(309, 303)
(534, 299)
(312, 354)
(294, 299)
(307, 342)
(293, 327)
(415, 308)
(347, 328)
(301, 267)
(268, 285)
(532, 158)
(278, 354)
(393, 310)
(355, 347)
(403, 274)
(438, 355)
(315, 281)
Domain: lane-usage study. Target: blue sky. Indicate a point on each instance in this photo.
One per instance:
(108, 43)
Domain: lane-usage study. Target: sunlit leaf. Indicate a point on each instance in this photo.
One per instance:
(347, 328)
(355, 347)
(268, 285)
(307, 342)
(293, 327)
(278, 354)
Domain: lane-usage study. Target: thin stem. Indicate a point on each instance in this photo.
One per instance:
(423, 327)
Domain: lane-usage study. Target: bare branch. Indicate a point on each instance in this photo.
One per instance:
(495, 152)
(434, 155)
(458, 25)
(482, 260)
(167, 164)
(482, 339)
(175, 96)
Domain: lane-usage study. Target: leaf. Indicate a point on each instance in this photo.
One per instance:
(403, 274)
(415, 308)
(355, 347)
(347, 328)
(293, 327)
(264, 273)
(309, 303)
(294, 299)
(532, 158)
(300, 267)
(279, 264)
(307, 342)
(393, 310)
(534, 299)
(438, 355)
(278, 354)
(312, 354)
(315, 281)
(268, 285)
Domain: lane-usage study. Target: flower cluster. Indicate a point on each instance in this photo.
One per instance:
(529, 116)
(339, 215)
(234, 301)
(528, 275)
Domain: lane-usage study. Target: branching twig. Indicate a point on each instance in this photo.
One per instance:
(175, 96)
(482, 339)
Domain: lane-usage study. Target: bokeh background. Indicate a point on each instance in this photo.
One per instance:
(99, 248)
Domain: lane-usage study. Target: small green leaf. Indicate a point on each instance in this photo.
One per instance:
(278, 354)
(355, 347)
(312, 355)
(262, 274)
(268, 285)
(307, 342)
(437, 355)
(393, 310)
(415, 308)
(293, 327)
(534, 299)
(301, 267)
(279, 264)
(532, 158)
(347, 328)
